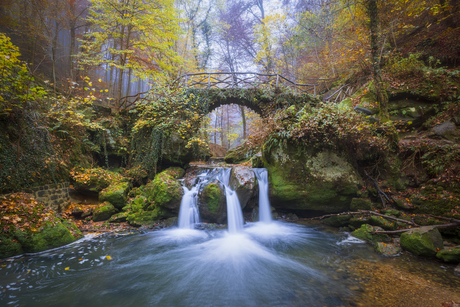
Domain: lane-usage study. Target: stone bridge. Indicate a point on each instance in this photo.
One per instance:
(259, 92)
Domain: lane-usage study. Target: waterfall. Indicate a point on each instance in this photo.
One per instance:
(234, 212)
(265, 215)
(188, 213)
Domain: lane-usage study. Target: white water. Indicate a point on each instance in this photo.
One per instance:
(265, 215)
(234, 213)
(188, 213)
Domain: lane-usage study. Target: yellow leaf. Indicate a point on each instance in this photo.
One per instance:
(99, 80)
(66, 268)
(108, 257)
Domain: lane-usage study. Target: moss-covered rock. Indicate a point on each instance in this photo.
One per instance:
(338, 220)
(382, 222)
(175, 172)
(360, 204)
(243, 181)
(357, 221)
(212, 203)
(364, 233)
(165, 192)
(104, 212)
(451, 254)
(300, 179)
(240, 153)
(116, 194)
(29, 227)
(387, 249)
(144, 217)
(423, 241)
(93, 180)
(119, 217)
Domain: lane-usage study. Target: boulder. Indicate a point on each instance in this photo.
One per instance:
(118, 218)
(444, 129)
(387, 249)
(364, 233)
(244, 182)
(360, 204)
(93, 180)
(358, 221)
(30, 227)
(451, 254)
(423, 241)
(104, 212)
(165, 192)
(212, 203)
(116, 194)
(316, 182)
(338, 220)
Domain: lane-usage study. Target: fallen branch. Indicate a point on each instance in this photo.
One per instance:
(380, 192)
(366, 212)
(445, 218)
(450, 225)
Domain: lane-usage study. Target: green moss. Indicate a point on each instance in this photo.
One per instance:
(119, 217)
(382, 222)
(175, 172)
(337, 221)
(212, 196)
(9, 247)
(423, 241)
(145, 218)
(360, 204)
(116, 194)
(52, 235)
(104, 212)
(451, 254)
(364, 233)
(94, 179)
(164, 191)
(357, 221)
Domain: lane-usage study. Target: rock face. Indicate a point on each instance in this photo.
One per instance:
(360, 204)
(423, 241)
(212, 203)
(316, 183)
(338, 220)
(165, 191)
(244, 182)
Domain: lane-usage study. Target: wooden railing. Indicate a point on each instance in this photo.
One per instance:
(233, 80)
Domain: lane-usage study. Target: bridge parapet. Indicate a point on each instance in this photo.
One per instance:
(235, 80)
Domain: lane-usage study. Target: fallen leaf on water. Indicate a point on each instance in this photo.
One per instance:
(66, 268)
(108, 257)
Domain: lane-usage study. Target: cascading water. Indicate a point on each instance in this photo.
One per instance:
(264, 204)
(188, 213)
(234, 213)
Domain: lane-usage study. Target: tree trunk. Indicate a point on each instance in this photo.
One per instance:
(372, 11)
(243, 118)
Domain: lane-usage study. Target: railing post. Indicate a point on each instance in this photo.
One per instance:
(277, 80)
(209, 81)
(314, 90)
(186, 81)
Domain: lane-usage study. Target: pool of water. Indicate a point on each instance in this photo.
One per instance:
(276, 264)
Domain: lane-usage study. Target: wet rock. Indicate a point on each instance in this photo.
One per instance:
(212, 203)
(257, 161)
(338, 220)
(364, 233)
(387, 249)
(243, 181)
(450, 254)
(292, 217)
(423, 241)
(116, 194)
(360, 204)
(165, 192)
(444, 129)
(172, 221)
(358, 221)
(316, 182)
(104, 212)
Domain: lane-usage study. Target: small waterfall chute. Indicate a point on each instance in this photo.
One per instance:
(265, 215)
(234, 213)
